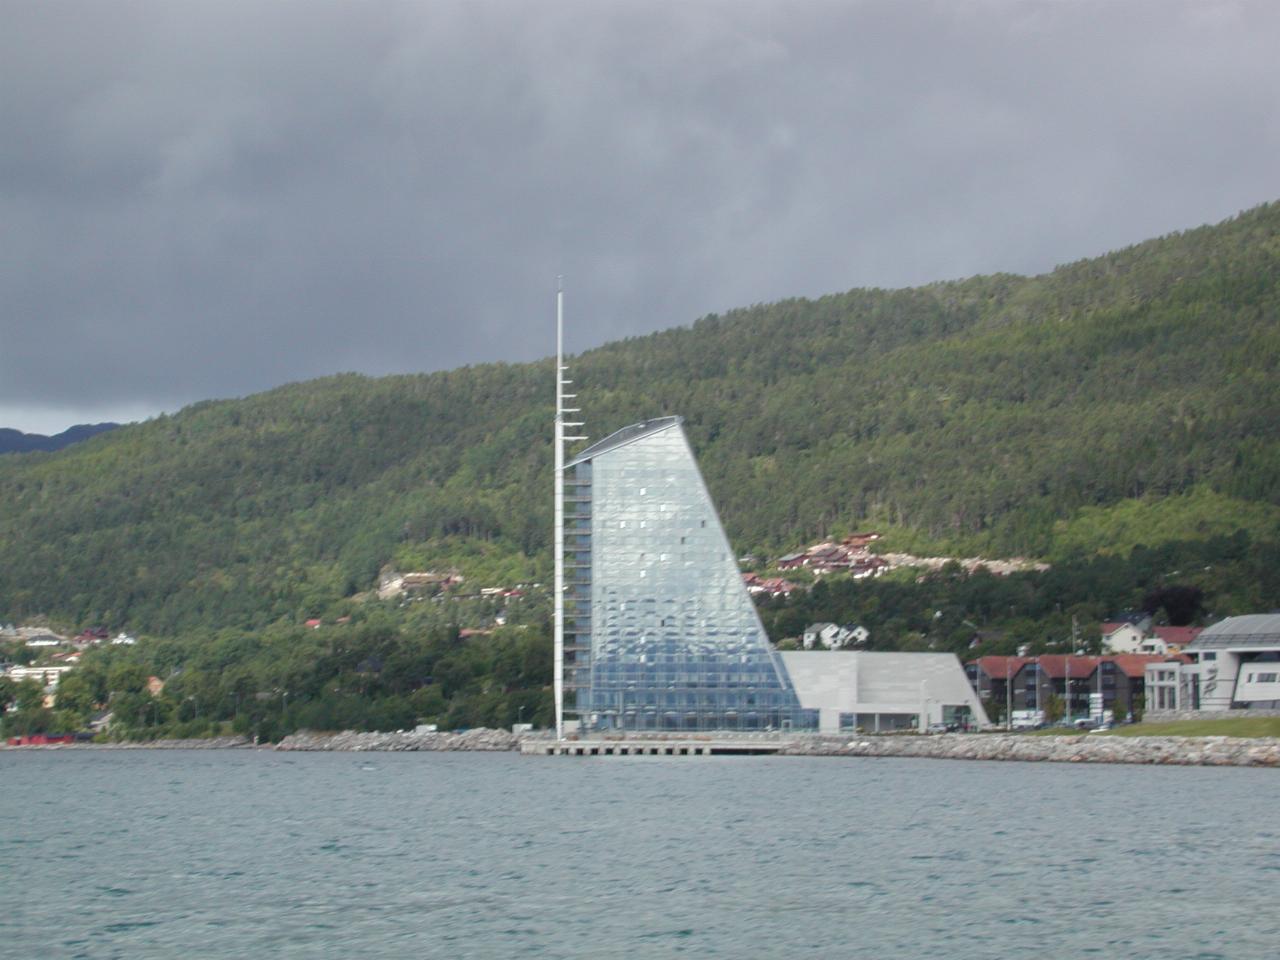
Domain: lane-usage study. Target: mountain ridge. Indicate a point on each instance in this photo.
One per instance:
(15, 441)
(982, 414)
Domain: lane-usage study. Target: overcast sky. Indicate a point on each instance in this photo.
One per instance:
(210, 199)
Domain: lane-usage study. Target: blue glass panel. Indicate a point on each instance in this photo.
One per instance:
(675, 640)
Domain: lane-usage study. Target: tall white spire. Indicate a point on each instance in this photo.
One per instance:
(560, 440)
(558, 644)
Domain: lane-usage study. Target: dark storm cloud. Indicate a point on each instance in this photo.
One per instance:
(209, 199)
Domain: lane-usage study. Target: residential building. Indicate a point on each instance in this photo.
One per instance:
(991, 678)
(770, 586)
(1122, 637)
(1170, 640)
(832, 636)
(1128, 637)
(45, 676)
(1077, 681)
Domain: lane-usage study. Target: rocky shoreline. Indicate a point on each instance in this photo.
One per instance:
(1084, 748)
(478, 740)
(202, 743)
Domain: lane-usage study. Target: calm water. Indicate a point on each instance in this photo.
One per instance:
(222, 854)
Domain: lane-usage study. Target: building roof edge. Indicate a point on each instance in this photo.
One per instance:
(620, 438)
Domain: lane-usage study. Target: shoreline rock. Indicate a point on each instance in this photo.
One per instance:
(1084, 748)
(201, 743)
(479, 740)
(1078, 748)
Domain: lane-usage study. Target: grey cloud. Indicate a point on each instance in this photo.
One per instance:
(207, 199)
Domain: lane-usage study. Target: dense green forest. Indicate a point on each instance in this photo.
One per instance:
(1117, 404)
(377, 672)
(390, 668)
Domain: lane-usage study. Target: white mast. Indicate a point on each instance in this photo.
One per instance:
(560, 440)
(558, 644)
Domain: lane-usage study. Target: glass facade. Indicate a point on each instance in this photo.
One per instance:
(660, 631)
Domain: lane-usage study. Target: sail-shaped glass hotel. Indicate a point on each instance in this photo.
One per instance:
(660, 633)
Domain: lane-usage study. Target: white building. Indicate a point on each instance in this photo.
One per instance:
(832, 636)
(1236, 666)
(1135, 638)
(883, 691)
(1122, 638)
(45, 676)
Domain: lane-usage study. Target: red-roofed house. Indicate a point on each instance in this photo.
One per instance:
(1170, 640)
(1075, 680)
(990, 676)
(1132, 638)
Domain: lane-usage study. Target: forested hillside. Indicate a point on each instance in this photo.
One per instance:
(1126, 399)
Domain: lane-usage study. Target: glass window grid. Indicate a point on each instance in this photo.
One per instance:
(674, 638)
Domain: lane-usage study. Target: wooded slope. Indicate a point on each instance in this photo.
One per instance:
(1119, 399)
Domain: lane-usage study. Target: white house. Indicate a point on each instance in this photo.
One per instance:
(832, 636)
(1123, 638)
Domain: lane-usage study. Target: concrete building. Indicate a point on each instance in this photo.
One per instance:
(1172, 685)
(880, 692)
(1236, 665)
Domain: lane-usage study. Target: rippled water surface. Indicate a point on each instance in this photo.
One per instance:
(231, 854)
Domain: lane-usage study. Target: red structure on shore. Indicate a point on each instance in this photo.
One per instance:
(41, 739)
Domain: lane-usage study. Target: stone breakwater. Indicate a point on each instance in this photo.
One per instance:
(1086, 748)
(471, 740)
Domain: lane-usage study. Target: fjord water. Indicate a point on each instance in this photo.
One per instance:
(234, 854)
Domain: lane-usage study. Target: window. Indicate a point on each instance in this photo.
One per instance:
(1266, 678)
(1208, 656)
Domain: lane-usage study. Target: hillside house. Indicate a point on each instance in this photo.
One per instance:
(1127, 637)
(1168, 641)
(832, 636)
(850, 554)
(770, 586)
(870, 567)
(1122, 637)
